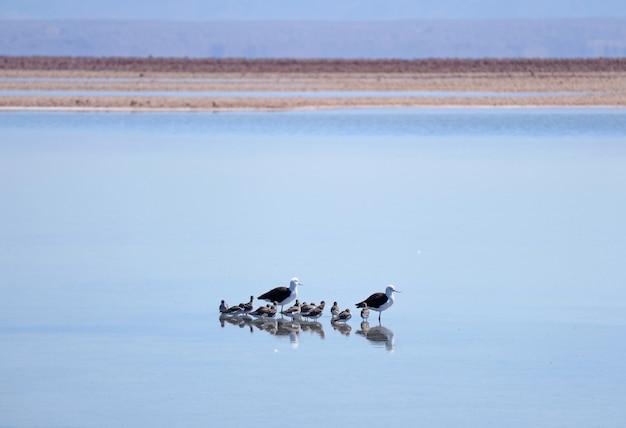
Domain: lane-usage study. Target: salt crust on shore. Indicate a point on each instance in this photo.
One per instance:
(562, 89)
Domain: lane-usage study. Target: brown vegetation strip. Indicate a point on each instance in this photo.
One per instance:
(214, 65)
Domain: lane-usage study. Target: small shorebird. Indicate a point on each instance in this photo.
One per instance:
(334, 309)
(343, 316)
(267, 311)
(365, 312)
(293, 311)
(223, 307)
(379, 301)
(306, 307)
(316, 312)
(247, 307)
(234, 310)
(282, 295)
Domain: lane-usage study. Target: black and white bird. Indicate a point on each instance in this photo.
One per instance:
(282, 295)
(223, 307)
(379, 301)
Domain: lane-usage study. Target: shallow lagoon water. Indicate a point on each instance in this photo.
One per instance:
(503, 228)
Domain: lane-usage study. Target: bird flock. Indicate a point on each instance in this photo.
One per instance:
(282, 296)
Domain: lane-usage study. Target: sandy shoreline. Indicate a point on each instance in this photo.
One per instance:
(543, 85)
(278, 104)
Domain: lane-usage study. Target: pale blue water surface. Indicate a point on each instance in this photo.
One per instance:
(503, 228)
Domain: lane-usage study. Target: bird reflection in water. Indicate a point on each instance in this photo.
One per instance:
(275, 326)
(240, 321)
(313, 327)
(290, 329)
(342, 328)
(379, 335)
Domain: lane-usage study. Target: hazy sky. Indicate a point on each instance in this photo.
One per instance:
(319, 9)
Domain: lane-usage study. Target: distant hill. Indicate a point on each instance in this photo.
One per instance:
(571, 38)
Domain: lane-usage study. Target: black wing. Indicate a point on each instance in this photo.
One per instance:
(277, 294)
(376, 300)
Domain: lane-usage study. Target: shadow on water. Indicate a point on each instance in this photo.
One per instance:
(378, 336)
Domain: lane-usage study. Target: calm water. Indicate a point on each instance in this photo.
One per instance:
(504, 229)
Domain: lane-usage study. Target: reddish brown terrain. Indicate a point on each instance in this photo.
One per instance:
(505, 82)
